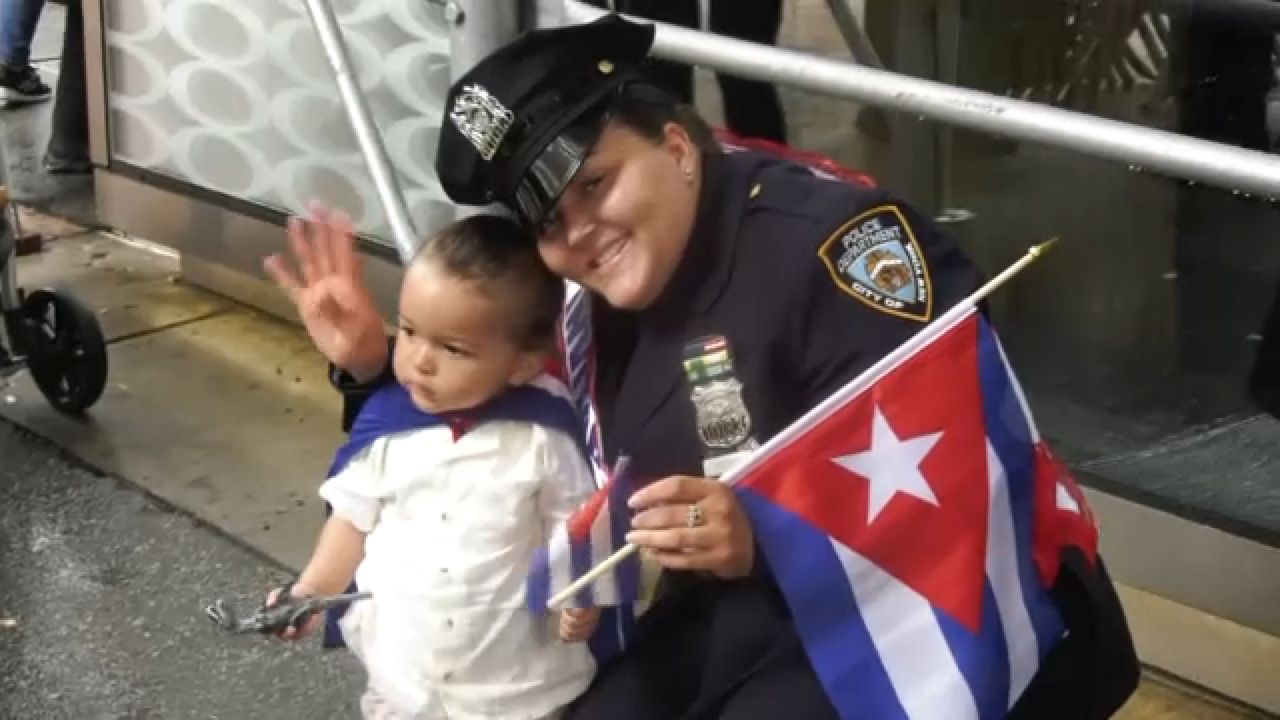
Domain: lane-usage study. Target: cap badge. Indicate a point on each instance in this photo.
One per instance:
(605, 66)
(482, 119)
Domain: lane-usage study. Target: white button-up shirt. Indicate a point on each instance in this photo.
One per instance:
(452, 528)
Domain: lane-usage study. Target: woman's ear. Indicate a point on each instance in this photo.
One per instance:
(681, 148)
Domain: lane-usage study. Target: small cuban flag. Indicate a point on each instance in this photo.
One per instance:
(594, 532)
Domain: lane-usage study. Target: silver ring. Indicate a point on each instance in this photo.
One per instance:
(695, 517)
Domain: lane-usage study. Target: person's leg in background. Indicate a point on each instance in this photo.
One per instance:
(1225, 72)
(19, 82)
(675, 78)
(68, 151)
(751, 108)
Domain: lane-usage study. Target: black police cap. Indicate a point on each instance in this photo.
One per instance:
(518, 125)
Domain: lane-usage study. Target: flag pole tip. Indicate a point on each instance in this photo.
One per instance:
(1043, 247)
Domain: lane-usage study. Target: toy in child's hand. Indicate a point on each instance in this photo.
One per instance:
(279, 617)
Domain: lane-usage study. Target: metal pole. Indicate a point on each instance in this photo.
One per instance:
(946, 23)
(8, 251)
(860, 46)
(366, 131)
(9, 299)
(478, 27)
(1143, 148)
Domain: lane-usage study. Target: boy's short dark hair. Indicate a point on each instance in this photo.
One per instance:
(501, 255)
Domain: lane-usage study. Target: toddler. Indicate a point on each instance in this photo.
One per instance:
(439, 517)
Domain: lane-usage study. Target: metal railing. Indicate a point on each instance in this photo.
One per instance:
(481, 25)
(1140, 147)
(476, 28)
(372, 149)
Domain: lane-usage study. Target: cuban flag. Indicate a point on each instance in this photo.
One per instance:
(594, 532)
(915, 523)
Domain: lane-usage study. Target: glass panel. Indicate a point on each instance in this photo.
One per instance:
(1140, 336)
(1149, 339)
(236, 96)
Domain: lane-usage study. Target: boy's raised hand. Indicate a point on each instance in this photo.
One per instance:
(329, 293)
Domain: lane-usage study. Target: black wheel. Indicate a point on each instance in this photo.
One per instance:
(67, 355)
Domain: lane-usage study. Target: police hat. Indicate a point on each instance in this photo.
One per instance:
(519, 124)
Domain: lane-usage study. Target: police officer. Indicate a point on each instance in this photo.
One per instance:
(675, 242)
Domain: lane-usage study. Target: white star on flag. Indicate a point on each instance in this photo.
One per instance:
(1065, 501)
(891, 466)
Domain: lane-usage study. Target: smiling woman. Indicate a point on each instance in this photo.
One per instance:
(788, 284)
(622, 224)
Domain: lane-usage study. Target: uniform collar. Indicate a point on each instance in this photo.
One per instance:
(700, 276)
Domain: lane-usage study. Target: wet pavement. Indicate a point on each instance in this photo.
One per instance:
(101, 590)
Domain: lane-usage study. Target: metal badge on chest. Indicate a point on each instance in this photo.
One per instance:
(724, 423)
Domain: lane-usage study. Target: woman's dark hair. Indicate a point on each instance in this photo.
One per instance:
(646, 109)
(501, 256)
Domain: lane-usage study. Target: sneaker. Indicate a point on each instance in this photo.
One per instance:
(22, 84)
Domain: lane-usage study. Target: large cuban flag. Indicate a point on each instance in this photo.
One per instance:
(914, 526)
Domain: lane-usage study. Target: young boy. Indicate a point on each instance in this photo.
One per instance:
(440, 522)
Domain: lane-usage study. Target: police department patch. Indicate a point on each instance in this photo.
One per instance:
(875, 258)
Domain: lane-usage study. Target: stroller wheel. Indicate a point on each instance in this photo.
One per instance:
(68, 356)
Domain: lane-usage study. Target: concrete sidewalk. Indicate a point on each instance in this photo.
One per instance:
(227, 414)
(209, 405)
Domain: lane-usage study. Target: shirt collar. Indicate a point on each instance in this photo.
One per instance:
(460, 423)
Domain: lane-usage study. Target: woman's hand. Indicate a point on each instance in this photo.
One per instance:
(330, 294)
(693, 523)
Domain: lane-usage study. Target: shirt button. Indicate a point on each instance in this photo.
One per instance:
(447, 676)
(449, 623)
(444, 517)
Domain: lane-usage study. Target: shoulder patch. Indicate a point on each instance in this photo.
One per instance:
(875, 258)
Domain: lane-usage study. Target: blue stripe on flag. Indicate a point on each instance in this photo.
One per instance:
(1010, 434)
(539, 586)
(611, 635)
(825, 611)
(983, 658)
(618, 623)
(580, 562)
(628, 572)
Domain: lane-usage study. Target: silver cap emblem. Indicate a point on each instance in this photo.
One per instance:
(481, 119)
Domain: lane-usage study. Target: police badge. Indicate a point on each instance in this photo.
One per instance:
(723, 420)
(481, 119)
(724, 424)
